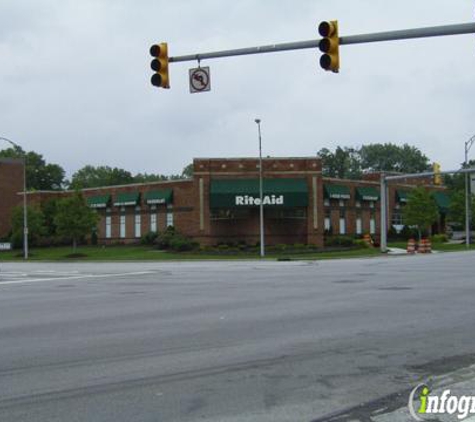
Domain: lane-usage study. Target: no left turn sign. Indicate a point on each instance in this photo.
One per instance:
(200, 79)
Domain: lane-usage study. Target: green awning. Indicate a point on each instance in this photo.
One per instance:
(337, 192)
(237, 193)
(402, 196)
(126, 198)
(100, 201)
(159, 197)
(367, 194)
(442, 200)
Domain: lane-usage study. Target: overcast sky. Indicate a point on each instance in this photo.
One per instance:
(75, 80)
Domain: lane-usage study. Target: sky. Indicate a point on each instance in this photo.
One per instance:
(75, 81)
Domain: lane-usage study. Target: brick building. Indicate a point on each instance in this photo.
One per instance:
(11, 183)
(220, 203)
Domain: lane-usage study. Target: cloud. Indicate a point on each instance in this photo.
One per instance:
(75, 81)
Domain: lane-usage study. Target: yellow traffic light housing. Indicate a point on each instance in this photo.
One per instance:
(159, 64)
(437, 175)
(329, 46)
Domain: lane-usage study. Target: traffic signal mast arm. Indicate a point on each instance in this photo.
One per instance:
(435, 31)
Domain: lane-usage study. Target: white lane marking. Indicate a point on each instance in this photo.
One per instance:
(77, 277)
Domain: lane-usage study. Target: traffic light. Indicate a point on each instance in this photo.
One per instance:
(159, 64)
(329, 46)
(437, 175)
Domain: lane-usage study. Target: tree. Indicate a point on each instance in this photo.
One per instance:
(391, 157)
(48, 209)
(457, 208)
(421, 210)
(39, 174)
(145, 177)
(187, 172)
(93, 177)
(74, 218)
(35, 225)
(344, 163)
(456, 182)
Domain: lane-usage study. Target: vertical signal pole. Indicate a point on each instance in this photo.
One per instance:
(261, 195)
(468, 145)
(384, 216)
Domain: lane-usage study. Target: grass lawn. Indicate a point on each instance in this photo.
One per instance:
(117, 253)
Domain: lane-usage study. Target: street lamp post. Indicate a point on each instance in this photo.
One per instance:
(468, 145)
(261, 202)
(25, 213)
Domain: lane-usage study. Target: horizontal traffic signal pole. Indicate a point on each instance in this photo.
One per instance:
(405, 34)
(428, 174)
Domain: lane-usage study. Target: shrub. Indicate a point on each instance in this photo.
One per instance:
(171, 239)
(182, 244)
(393, 234)
(342, 241)
(16, 240)
(164, 238)
(408, 233)
(439, 238)
(149, 238)
(361, 243)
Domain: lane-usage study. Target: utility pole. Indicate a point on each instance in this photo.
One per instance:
(384, 216)
(468, 145)
(261, 194)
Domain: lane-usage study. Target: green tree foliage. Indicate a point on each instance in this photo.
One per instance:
(48, 209)
(39, 174)
(146, 177)
(187, 172)
(36, 226)
(96, 176)
(74, 218)
(421, 210)
(344, 163)
(391, 157)
(457, 208)
(351, 163)
(456, 182)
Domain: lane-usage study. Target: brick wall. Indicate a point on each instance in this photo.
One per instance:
(191, 204)
(11, 184)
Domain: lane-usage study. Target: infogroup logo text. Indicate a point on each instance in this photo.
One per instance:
(445, 403)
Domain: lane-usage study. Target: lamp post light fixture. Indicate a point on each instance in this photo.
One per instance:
(261, 202)
(25, 212)
(468, 145)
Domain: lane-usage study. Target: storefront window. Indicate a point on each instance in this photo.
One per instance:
(397, 218)
(138, 222)
(108, 226)
(342, 222)
(372, 225)
(122, 226)
(169, 216)
(153, 218)
(327, 222)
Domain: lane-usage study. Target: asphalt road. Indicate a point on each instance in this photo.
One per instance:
(229, 341)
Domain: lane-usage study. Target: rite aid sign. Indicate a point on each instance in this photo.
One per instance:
(247, 200)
